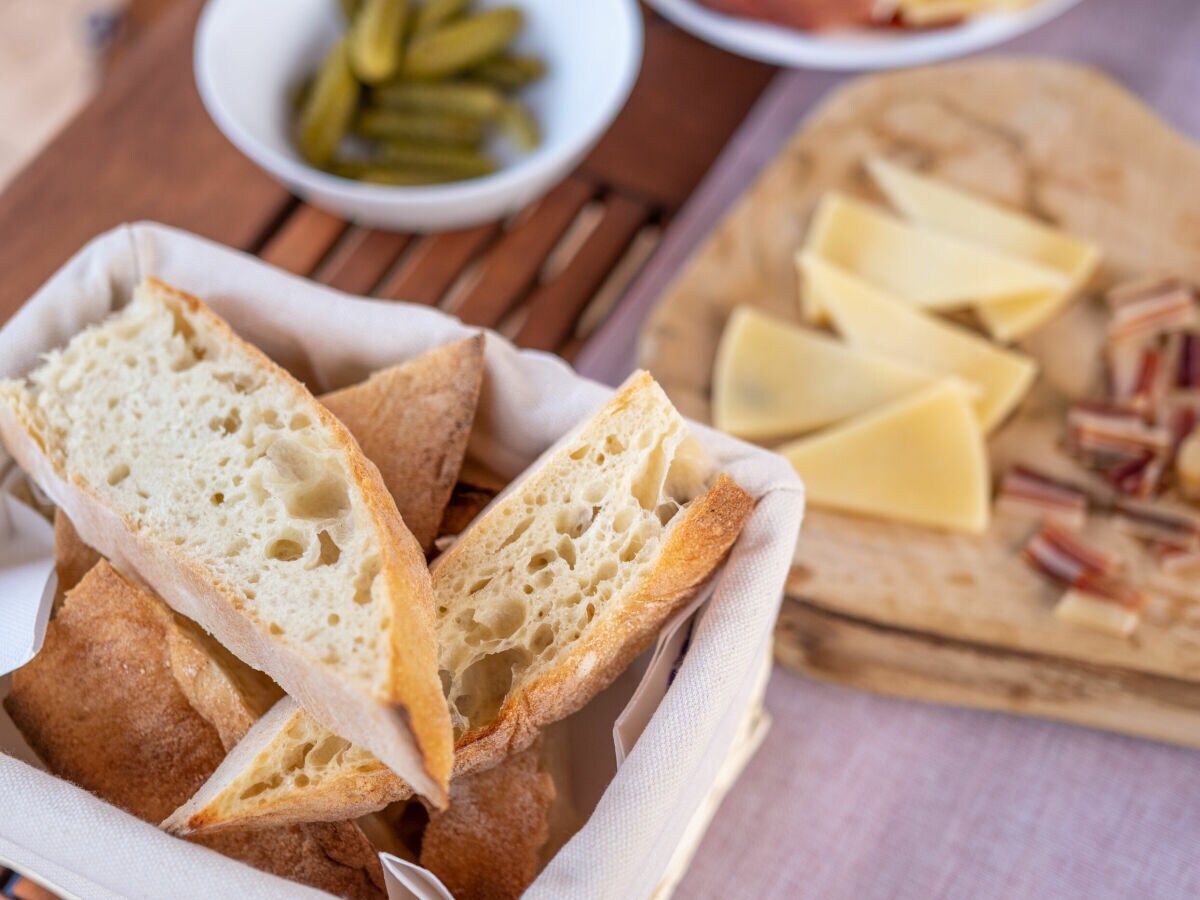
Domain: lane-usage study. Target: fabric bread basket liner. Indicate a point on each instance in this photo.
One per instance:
(684, 718)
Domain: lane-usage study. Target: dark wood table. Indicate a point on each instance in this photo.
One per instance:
(144, 149)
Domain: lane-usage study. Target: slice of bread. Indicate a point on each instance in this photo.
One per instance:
(103, 705)
(191, 460)
(541, 603)
(72, 557)
(413, 421)
(487, 844)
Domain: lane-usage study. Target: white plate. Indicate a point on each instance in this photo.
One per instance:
(883, 48)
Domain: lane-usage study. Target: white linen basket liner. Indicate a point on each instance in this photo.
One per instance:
(652, 813)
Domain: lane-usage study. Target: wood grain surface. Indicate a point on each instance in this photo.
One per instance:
(1073, 148)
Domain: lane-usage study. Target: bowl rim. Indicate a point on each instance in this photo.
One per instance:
(498, 184)
(854, 50)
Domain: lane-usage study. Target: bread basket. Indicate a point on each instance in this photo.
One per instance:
(684, 724)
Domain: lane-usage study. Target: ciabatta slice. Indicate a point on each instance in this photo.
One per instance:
(188, 458)
(413, 421)
(541, 603)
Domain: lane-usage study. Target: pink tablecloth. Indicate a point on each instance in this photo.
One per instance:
(856, 796)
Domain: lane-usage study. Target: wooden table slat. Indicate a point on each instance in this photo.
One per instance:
(556, 305)
(512, 264)
(304, 240)
(434, 262)
(362, 259)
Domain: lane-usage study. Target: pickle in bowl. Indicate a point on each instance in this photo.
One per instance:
(418, 92)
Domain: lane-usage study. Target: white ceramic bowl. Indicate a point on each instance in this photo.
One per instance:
(850, 49)
(250, 55)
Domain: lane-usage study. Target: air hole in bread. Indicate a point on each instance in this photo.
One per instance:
(540, 561)
(542, 638)
(299, 421)
(519, 530)
(330, 551)
(112, 402)
(118, 474)
(485, 684)
(579, 452)
(476, 587)
(614, 445)
(230, 424)
(326, 752)
(649, 484)
(327, 499)
(573, 522)
(504, 620)
(285, 550)
(595, 492)
(217, 499)
(275, 629)
(365, 581)
(666, 511)
(240, 382)
(566, 552)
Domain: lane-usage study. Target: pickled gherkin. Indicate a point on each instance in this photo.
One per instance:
(510, 73)
(463, 161)
(455, 98)
(433, 13)
(462, 44)
(520, 126)
(416, 92)
(386, 124)
(396, 175)
(329, 108)
(377, 39)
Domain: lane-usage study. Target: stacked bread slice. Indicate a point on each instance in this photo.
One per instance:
(189, 459)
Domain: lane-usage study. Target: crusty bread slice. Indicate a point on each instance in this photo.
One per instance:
(72, 557)
(486, 844)
(191, 460)
(541, 603)
(103, 705)
(413, 421)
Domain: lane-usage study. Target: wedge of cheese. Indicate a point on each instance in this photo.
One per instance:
(869, 319)
(773, 379)
(951, 211)
(918, 265)
(919, 460)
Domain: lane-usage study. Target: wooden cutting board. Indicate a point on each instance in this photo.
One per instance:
(920, 613)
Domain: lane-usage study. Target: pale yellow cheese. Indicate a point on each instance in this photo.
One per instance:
(918, 265)
(951, 211)
(773, 379)
(872, 320)
(919, 460)
(1078, 608)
